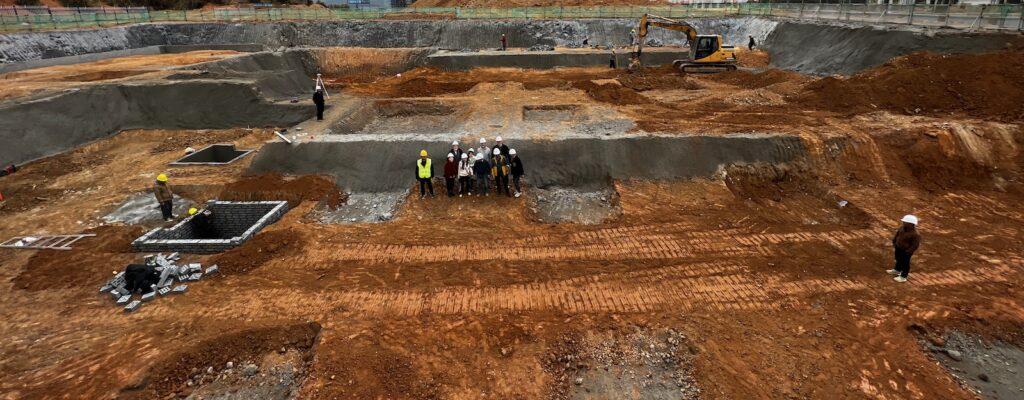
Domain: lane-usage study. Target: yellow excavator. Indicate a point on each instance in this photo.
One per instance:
(707, 52)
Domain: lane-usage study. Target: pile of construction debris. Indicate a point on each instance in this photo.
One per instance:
(169, 271)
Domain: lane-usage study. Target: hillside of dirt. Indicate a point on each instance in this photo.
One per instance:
(978, 85)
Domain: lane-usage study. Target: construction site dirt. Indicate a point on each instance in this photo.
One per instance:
(759, 280)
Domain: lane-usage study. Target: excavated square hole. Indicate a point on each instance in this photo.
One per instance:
(400, 116)
(232, 224)
(549, 112)
(216, 154)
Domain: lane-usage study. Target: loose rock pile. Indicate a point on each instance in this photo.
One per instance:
(169, 271)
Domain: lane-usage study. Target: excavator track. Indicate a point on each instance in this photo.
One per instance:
(691, 67)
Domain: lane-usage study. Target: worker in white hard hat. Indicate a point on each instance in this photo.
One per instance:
(471, 154)
(483, 149)
(451, 174)
(482, 170)
(499, 170)
(164, 197)
(905, 243)
(499, 143)
(318, 99)
(516, 167)
(465, 175)
(456, 151)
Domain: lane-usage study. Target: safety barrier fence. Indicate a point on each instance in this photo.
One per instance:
(1002, 17)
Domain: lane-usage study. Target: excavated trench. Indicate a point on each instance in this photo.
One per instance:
(572, 176)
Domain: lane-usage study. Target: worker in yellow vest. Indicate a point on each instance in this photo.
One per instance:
(424, 174)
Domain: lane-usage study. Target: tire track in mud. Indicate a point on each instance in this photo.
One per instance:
(685, 287)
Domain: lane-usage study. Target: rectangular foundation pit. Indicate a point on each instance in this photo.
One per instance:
(215, 154)
(231, 225)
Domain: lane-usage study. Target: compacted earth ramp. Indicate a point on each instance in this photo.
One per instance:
(675, 236)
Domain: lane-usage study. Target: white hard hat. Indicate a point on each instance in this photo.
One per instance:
(497, 139)
(910, 219)
(464, 155)
(483, 140)
(512, 152)
(318, 87)
(496, 151)
(455, 143)
(450, 155)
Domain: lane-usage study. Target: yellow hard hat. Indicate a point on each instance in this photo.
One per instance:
(161, 178)
(192, 211)
(423, 153)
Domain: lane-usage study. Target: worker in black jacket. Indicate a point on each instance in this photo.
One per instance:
(140, 278)
(318, 99)
(905, 243)
(517, 170)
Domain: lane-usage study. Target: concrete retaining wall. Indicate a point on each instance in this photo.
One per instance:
(546, 59)
(50, 125)
(382, 166)
(846, 49)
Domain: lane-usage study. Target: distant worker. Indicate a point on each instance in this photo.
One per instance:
(202, 224)
(611, 62)
(481, 168)
(465, 175)
(424, 174)
(451, 174)
(632, 37)
(471, 153)
(499, 170)
(499, 143)
(456, 150)
(10, 169)
(318, 99)
(164, 197)
(483, 150)
(586, 41)
(504, 42)
(517, 170)
(905, 243)
(751, 43)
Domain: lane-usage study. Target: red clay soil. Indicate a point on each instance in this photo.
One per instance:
(611, 93)
(88, 261)
(664, 77)
(171, 374)
(266, 187)
(753, 80)
(534, 3)
(420, 87)
(979, 85)
(262, 248)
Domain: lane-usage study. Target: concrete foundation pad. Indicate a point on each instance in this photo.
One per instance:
(551, 59)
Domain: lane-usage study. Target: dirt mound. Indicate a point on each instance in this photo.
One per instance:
(90, 261)
(275, 187)
(753, 80)
(423, 87)
(658, 78)
(262, 248)
(768, 185)
(172, 374)
(532, 3)
(611, 93)
(752, 58)
(980, 85)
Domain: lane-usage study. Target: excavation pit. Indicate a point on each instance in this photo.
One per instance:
(217, 154)
(232, 224)
(549, 112)
(399, 116)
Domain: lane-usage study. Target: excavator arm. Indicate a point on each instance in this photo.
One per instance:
(665, 23)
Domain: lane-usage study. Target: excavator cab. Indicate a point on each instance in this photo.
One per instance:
(707, 52)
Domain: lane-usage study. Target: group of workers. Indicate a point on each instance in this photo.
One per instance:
(473, 171)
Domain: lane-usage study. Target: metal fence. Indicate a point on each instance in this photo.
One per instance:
(1003, 17)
